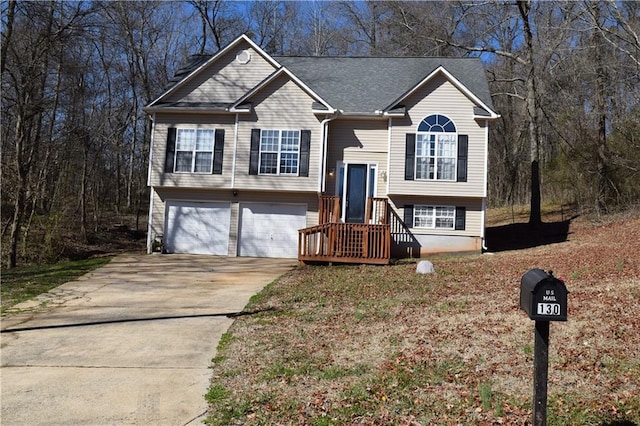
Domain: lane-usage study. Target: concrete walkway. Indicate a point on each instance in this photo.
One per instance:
(128, 344)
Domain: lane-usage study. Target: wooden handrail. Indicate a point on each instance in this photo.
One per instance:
(376, 213)
(345, 242)
(328, 209)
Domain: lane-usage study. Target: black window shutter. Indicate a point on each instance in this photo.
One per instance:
(171, 150)
(408, 216)
(305, 147)
(461, 218)
(254, 156)
(463, 149)
(410, 156)
(218, 152)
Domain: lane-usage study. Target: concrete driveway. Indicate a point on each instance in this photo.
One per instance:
(128, 344)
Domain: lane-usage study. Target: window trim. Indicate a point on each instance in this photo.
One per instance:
(424, 137)
(194, 150)
(435, 217)
(280, 152)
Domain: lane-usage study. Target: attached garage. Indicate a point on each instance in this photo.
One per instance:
(270, 230)
(197, 228)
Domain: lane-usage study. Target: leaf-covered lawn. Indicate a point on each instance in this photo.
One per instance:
(384, 345)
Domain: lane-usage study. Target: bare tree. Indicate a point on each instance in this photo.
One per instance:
(625, 34)
(535, 215)
(39, 31)
(367, 21)
(6, 34)
(218, 20)
(272, 23)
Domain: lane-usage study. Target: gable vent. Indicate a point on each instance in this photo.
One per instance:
(243, 57)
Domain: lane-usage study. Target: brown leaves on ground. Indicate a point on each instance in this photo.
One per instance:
(384, 345)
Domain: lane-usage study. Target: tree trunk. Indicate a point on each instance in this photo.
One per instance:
(601, 108)
(83, 188)
(132, 152)
(16, 225)
(535, 216)
(23, 129)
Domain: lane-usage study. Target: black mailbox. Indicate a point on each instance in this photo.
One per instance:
(542, 296)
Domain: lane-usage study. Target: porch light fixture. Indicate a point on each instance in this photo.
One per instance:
(332, 172)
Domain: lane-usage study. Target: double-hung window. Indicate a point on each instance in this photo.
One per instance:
(436, 149)
(279, 152)
(435, 217)
(194, 150)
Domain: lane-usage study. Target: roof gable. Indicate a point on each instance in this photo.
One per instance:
(481, 109)
(199, 64)
(323, 105)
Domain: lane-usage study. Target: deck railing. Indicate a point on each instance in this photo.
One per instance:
(332, 241)
(328, 209)
(346, 243)
(377, 211)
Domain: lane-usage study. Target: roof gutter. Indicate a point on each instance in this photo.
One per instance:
(485, 117)
(375, 114)
(151, 110)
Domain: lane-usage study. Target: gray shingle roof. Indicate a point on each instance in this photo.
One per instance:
(370, 84)
(193, 62)
(366, 85)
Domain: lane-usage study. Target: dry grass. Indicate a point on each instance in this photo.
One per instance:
(384, 345)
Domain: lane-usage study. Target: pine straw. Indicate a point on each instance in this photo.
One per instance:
(384, 345)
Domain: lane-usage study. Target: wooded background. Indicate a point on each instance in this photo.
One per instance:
(565, 77)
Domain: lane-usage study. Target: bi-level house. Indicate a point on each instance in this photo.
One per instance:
(349, 159)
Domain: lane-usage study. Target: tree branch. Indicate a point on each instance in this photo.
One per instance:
(513, 95)
(498, 52)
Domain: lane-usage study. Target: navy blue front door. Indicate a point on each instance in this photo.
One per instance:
(356, 193)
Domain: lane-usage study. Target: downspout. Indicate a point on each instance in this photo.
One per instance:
(153, 129)
(486, 173)
(152, 191)
(389, 130)
(484, 206)
(149, 228)
(235, 152)
(323, 155)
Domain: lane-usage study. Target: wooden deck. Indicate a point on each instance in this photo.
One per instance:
(332, 241)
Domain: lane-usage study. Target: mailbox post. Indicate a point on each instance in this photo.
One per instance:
(544, 298)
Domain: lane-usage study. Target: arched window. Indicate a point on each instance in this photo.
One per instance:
(436, 123)
(436, 148)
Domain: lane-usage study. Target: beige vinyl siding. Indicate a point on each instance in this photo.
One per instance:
(474, 216)
(191, 121)
(157, 216)
(357, 142)
(282, 105)
(233, 229)
(225, 80)
(439, 96)
(204, 195)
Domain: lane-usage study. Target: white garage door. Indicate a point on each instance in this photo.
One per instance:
(197, 228)
(270, 230)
